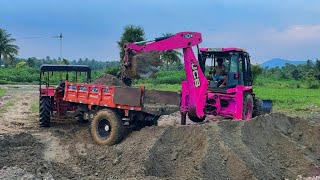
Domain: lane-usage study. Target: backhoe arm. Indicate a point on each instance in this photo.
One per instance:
(195, 87)
(178, 41)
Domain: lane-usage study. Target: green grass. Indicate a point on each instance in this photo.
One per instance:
(2, 92)
(35, 107)
(292, 101)
(163, 87)
(6, 106)
(300, 101)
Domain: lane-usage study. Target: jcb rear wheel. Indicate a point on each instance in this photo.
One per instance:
(107, 127)
(44, 111)
(247, 107)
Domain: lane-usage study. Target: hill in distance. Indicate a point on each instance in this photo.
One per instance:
(280, 62)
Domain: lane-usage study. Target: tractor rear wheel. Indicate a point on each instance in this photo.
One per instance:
(44, 111)
(107, 127)
(247, 107)
(196, 119)
(257, 107)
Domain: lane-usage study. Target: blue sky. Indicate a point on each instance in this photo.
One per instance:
(267, 29)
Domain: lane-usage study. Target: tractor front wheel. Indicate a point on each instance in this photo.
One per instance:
(247, 108)
(107, 127)
(44, 111)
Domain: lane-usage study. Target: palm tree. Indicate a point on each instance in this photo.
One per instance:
(7, 49)
(131, 33)
(170, 56)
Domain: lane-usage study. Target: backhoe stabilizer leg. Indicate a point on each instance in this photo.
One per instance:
(183, 118)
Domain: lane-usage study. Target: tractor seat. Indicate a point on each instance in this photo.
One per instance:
(214, 86)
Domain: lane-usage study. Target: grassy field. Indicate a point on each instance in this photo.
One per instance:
(2, 92)
(294, 101)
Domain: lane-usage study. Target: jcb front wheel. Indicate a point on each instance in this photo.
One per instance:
(107, 128)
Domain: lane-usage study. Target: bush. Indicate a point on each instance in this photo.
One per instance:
(312, 82)
(113, 70)
(169, 77)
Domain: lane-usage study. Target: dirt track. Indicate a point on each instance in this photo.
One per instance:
(269, 147)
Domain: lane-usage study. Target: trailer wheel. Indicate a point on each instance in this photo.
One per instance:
(107, 127)
(196, 119)
(247, 108)
(257, 107)
(44, 111)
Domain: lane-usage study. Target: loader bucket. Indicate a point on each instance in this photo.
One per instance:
(266, 106)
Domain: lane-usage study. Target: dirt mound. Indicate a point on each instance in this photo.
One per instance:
(21, 157)
(268, 147)
(144, 65)
(176, 154)
(108, 79)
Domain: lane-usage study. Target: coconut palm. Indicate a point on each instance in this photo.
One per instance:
(131, 33)
(170, 56)
(7, 49)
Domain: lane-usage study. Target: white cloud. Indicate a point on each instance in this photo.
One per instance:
(298, 42)
(294, 34)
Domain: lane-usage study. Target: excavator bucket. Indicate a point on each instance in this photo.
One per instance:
(144, 65)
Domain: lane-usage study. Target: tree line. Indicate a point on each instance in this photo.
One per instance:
(308, 73)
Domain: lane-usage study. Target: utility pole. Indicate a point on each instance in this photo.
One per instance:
(60, 38)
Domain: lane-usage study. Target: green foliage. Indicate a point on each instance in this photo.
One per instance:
(256, 70)
(290, 100)
(170, 57)
(23, 74)
(7, 49)
(63, 61)
(113, 70)
(92, 63)
(31, 62)
(21, 64)
(312, 82)
(166, 77)
(131, 33)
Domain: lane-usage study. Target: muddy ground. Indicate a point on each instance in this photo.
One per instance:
(269, 147)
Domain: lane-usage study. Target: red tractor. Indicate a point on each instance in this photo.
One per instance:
(51, 98)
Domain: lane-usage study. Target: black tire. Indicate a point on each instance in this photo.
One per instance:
(196, 119)
(247, 109)
(107, 128)
(257, 107)
(44, 111)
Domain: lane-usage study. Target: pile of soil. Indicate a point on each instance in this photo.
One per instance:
(268, 147)
(144, 65)
(108, 79)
